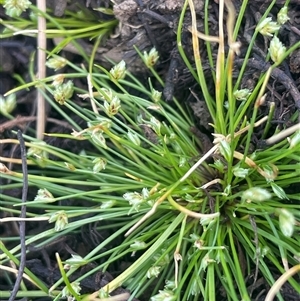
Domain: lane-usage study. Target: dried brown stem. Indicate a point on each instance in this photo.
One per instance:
(41, 111)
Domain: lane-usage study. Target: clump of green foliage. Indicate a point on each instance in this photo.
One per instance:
(186, 222)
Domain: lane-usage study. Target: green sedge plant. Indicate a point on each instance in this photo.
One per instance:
(185, 221)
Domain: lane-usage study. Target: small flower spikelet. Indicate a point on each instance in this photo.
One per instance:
(38, 151)
(135, 199)
(43, 195)
(14, 8)
(242, 94)
(63, 92)
(75, 286)
(118, 71)
(256, 194)
(153, 272)
(267, 27)
(134, 138)
(164, 295)
(99, 164)
(75, 261)
(286, 222)
(56, 63)
(98, 138)
(58, 80)
(61, 220)
(240, 172)
(8, 104)
(277, 50)
(156, 95)
(112, 108)
(282, 16)
(151, 58)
